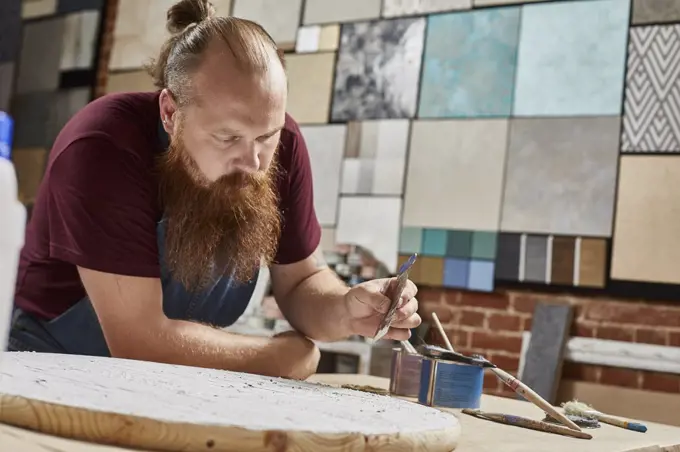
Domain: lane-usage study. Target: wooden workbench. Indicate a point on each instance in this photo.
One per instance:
(478, 435)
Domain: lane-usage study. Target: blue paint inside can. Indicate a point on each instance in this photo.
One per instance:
(450, 385)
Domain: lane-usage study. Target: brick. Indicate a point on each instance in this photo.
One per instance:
(581, 372)
(427, 294)
(651, 336)
(444, 313)
(655, 381)
(472, 318)
(615, 376)
(522, 303)
(485, 300)
(583, 329)
(638, 314)
(491, 381)
(459, 338)
(616, 333)
(451, 297)
(674, 338)
(527, 324)
(490, 341)
(509, 363)
(505, 322)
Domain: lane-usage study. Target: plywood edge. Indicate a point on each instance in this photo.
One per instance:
(141, 432)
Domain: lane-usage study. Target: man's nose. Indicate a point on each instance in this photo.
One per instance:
(248, 160)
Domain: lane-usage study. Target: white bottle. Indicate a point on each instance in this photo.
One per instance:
(12, 230)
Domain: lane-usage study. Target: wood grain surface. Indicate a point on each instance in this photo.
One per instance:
(176, 408)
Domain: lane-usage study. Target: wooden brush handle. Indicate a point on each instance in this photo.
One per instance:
(528, 423)
(617, 422)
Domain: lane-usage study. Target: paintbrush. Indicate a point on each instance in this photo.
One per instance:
(516, 385)
(527, 423)
(409, 348)
(581, 409)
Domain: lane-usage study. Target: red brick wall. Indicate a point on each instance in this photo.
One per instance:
(492, 325)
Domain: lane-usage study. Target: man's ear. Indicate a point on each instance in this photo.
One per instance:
(168, 108)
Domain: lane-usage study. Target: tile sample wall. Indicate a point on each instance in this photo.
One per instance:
(561, 176)
(571, 58)
(469, 64)
(280, 18)
(323, 11)
(317, 38)
(310, 79)
(655, 11)
(378, 69)
(395, 8)
(645, 245)
(455, 174)
(651, 121)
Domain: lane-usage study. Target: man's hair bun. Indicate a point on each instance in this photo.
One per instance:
(188, 12)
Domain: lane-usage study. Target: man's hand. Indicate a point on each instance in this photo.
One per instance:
(366, 306)
(296, 356)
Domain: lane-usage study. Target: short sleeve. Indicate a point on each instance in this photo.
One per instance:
(102, 209)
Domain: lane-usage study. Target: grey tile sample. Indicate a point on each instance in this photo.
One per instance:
(561, 176)
(378, 69)
(31, 113)
(655, 11)
(67, 104)
(10, 29)
(40, 55)
(6, 85)
(71, 6)
(535, 258)
(508, 256)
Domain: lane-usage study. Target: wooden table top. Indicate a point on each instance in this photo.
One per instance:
(478, 435)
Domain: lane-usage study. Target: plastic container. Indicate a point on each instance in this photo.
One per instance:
(12, 229)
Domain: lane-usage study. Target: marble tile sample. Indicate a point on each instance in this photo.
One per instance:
(310, 83)
(508, 257)
(31, 9)
(40, 55)
(31, 113)
(324, 11)
(592, 262)
(651, 119)
(71, 6)
(645, 244)
(481, 276)
(6, 84)
(562, 263)
(317, 38)
(572, 58)
(10, 29)
(469, 64)
(456, 273)
(655, 11)
(280, 18)
(66, 105)
(30, 166)
(127, 81)
(378, 69)
(396, 8)
(80, 40)
(326, 145)
(561, 176)
(410, 240)
(371, 222)
(536, 259)
(455, 174)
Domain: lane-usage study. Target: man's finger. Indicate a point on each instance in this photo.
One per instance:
(398, 334)
(407, 309)
(411, 322)
(410, 291)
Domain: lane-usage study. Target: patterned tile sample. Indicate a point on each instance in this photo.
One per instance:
(481, 276)
(127, 81)
(40, 56)
(651, 121)
(324, 12)
(562, 263)
(317, 38)
(645, 245)
(80, 39)
(6, 84)
(371, 222)
(456, 273)
(572, 58)
(508, 256)
(31, 9)
(592, 262)
(655, 11)
(310, 79)
(536, 260)
(561, 176)
(473, 153)
(30, 167)
(378, 69)
(67, 104)
(326, 145)
(31, 113)
(70, 6)
(280, 18)
(410, 241)
(10, 29)
(395, 8)
(469, 64)
(375, 157)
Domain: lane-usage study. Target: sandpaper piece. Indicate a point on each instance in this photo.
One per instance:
(544, 357)
(10, 29)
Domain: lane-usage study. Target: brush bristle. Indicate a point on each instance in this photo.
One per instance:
(579, 409)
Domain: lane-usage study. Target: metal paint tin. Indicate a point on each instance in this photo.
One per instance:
(405, 373)
(450, 385)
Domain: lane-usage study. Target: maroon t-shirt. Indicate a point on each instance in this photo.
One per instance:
(97, 206)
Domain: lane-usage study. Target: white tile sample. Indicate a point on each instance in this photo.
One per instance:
(280, 18)
(80, 40)
(395, 8)
(330, 11)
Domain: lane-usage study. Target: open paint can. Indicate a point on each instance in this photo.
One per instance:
(449, 384)
(405, 373)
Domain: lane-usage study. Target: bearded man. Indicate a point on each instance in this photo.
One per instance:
(157, 209)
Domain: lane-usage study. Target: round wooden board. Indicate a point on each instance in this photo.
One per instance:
(176, 408)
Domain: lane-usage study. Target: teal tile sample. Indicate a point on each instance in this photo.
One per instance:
(480, 276)
(484, 245)
(456, 273)
(410, 240)
(572, 58)
(459, 244)
(469, 64)
(434, 242)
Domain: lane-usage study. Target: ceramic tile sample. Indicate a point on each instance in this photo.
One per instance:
(484, 245)
(127, 81)
(502, 2)
(456, 273)
(410, 240)
(481, 276)
(395, 8)
(323, 11)
(30, 167)
(651, 120)
(378, 69)
(592, 262)
(562, 263)
(561, 176)
(80, 38)
(31, 9)
(467, 196)
(371, 222)
(508, 257)
(434, 242)
(459, 244)
(67, 104)
(310, 78)
(469, 64)
(571, 58)
(70, 6)
(10, 29)
(645, 245)
(317, 38)
(6, 84)
(40, 55)
(31, 114)
(655, 11)
(536, 260)
(375, 157)
(280, 18)
(326, 145)
(430, 271)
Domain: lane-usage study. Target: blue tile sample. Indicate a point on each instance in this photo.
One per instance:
(469, 64)
(410, 240)
(572, 58)
(481, 275)
(456, 273)
(434, 242)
